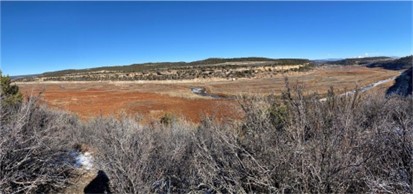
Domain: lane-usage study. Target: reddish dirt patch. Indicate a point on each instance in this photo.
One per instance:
(88, 102)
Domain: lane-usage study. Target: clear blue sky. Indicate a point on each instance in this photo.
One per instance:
(45, 36)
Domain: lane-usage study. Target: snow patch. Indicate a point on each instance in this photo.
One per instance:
(83, 160)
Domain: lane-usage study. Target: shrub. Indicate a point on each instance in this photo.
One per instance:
(292, 144)
(34, 149)
(167, 119)
(9, 94)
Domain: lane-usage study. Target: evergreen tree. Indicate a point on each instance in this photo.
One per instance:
(9, 94)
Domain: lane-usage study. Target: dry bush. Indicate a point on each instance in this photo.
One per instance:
(34, 149)
(342, 145)
(138, 158)
(288, 144)
(291, 144)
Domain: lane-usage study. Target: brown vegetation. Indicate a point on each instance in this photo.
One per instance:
(34, 156)
(154, 99)
(286, 142)
(90, 102)
(295, 144)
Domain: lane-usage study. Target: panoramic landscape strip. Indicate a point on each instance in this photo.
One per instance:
(206, 97)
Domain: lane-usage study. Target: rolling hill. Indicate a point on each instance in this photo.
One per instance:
(226, 68)
(397, 64)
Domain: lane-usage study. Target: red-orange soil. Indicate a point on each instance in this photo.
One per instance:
(88, 102)
(154, 99)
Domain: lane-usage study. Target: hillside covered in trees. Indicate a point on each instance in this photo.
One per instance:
(226, 68)
(403, 85)
(359, 61)
(397, 64)
(383, 62)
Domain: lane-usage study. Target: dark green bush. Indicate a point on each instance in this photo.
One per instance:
(9, 93)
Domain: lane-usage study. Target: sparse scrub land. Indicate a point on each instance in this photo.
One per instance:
(232, 68)
(283, 140)
(154, 98)
(293, 144)
(120, 97)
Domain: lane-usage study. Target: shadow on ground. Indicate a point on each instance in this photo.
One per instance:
(98, 185)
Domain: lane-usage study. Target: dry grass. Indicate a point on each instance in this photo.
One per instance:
(293, 144)
(318, 80)
(91, 100)
(153, 99)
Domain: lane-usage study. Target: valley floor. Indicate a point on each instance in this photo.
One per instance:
(153, 99)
